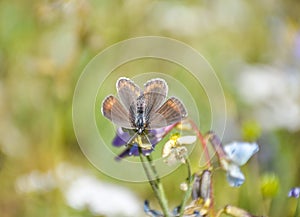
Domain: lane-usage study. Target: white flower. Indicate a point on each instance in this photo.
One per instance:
(99, 197)
(82, 190)
(240, 152)
(273, 94)
(237, 154)
(36, 181)
(174, 151)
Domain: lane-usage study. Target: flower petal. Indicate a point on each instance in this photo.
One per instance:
(176, 155)
(171, 159)
(121, 138)
(294, 192)
(240, 152)
(151, 212)
(133, 150)
(129, 151)
(186, 140)
(158, 132)
(234, 176)
(201, 186)
(123, 154)
(155, 135)
(118, 141)
(167, 148)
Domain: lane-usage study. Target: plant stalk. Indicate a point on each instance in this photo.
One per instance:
(202, 140)
(187, 195)
(155, 183)
(162, 195)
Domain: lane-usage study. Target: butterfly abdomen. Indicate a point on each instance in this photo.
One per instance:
(140, 121)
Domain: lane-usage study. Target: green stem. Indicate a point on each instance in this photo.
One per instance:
(267, 204)
(187, 195)
(162, 195)
(163, 200)
(149, 158)
(152, 183)
(155, 183)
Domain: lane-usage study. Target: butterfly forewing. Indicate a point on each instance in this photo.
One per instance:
(128, 92)
(171, 112)
(113, 110)
(155, 92)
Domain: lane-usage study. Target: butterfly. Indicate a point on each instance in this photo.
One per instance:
(143, 110)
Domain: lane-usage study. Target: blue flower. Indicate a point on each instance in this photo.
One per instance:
(151, 212)
(124, 136)
(294, 192)
(237, 154)
(121, 138)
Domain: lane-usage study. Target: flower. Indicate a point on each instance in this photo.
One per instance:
(87, 192)
(124, 136)
(174, 151)
(200, 203)
(36, 181)
(82, 190)
(269, 186)
(235, 211)
(237, 154)
(151, 212)
(196, 209)
(266, 88)
(294, 192)
(201, 199)
(232, 156)
(202, 186)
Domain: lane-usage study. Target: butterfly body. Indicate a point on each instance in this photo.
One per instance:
(141, 111)
(139, 116)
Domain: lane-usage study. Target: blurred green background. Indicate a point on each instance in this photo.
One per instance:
(254, 47)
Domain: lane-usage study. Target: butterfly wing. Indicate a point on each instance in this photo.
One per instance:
(155, 93)
(128, 92)
(171, 112)
(113, 110)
